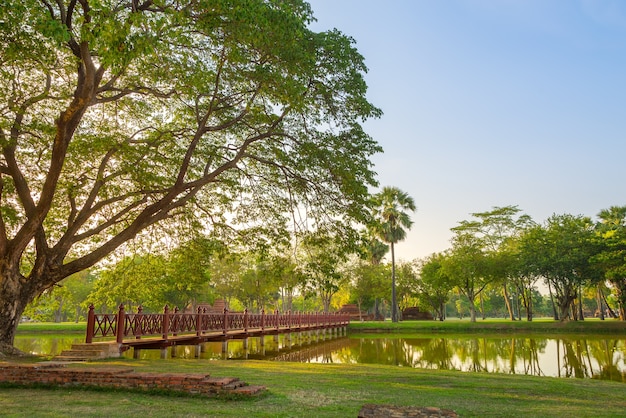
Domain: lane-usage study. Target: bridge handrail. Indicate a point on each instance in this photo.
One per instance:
(171, 323)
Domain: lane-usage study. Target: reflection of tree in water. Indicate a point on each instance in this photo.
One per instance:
(573, 364)
(435, 354)
(608, 353)
(600, 358)
(46, 345)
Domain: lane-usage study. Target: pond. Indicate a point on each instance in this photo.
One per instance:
(569, 356)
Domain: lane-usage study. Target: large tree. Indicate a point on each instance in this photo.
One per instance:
(118, 116)
(390, 223)
(465, 264)
(560, 251)
(434, 285)
(495, 229)
(611, 257)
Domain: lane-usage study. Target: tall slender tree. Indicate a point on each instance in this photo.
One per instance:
(391, 222)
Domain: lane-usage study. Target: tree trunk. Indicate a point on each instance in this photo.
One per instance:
(472, 307)
(507, 302)
(529, 306)
(556, 315)
(394, 309)
(15, 294)
(581, 314)
(472, 312)
(482, 306)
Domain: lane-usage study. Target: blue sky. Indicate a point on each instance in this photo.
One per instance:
(492, 103)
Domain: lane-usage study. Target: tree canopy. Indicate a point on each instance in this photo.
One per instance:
(117, 117)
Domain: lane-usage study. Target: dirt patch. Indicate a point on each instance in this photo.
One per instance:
(392, 411)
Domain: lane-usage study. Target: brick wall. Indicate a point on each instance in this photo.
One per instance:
(122, 378)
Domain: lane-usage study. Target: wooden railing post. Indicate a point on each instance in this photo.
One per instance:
(175, 322)
(277, 319)
(119, 326)
(91, 322)
(262, 319)
(138, 323)
(289, 319)
(165, 325)
(199, 321)
(245, 320)
(225, 323)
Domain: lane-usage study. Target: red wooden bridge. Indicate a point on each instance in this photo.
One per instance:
(170, 328)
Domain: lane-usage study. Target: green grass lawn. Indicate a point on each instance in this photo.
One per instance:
(51, 327)
(329, 390)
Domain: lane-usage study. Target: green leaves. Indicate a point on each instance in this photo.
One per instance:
(389, 214)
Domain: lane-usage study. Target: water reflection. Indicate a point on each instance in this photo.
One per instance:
(567, 357)
(47, 345)
(600, 358)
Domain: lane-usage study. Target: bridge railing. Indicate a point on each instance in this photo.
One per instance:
(124, 325)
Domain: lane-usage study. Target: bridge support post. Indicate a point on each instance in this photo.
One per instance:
(136, 353)
(198, 350)
(164, 353)
(288, 341)
(173, 351)
(225, 348)
(246, 352)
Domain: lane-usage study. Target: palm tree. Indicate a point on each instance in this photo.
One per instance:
(389, 223)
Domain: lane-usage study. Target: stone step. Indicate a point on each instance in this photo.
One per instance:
(221, 381)
(85, 352)
(249, 390)
(62, 357)
(90, 347)
(94, 354)
(234, 385)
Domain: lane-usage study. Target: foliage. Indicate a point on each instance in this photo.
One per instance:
(434, 285)
(323, 256)
(494, 230)
(560, 251)
(65, 301)
(132, 120)
(611, 257)
(465, 264)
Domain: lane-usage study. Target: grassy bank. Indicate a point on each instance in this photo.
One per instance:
(456, 326)
(51, 327)
(329, 390)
